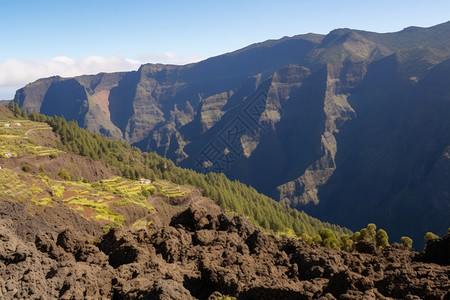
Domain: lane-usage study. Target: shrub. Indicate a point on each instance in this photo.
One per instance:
(382, 239)
(356, 237)
(57, 191)
(26, 168)
(53, 155)
(430, 236)
(346, 243)
(371, 232)
(307, 238)
(64, 174)
(406, 242)
(328, 239)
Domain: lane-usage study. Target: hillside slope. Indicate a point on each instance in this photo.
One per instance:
(351, 123)
(88, 233)
(84, 171)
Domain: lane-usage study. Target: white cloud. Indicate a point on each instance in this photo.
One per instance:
(15, 72)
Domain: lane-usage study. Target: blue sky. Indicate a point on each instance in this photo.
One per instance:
(44, 38)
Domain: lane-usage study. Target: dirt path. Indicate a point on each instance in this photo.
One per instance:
(29, 130)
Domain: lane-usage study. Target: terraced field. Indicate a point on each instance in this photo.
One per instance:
(170, 190)
(102, 200)
(15, 142)
(108, 201)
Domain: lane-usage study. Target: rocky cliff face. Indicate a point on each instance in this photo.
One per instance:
(349, 122)
(196, 251)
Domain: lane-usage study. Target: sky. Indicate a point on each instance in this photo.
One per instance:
(67, 38)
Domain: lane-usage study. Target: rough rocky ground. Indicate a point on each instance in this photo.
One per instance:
(196, 251)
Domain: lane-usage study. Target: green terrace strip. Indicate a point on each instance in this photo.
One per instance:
(170, 190)
(103, 212)
(232, 196)
(15, 142)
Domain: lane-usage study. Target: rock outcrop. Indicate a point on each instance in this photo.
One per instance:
(201, 253)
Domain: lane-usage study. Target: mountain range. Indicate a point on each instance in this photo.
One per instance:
(351, 127)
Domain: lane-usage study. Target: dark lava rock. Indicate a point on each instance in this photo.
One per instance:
(366, 247)
(203, 253)
(437, 251)
(167, 289)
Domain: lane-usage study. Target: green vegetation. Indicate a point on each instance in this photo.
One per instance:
(102, 211)
(14, 141)
(141, 223)
(369, 234)
(12, 187)
(100, 200)
(41, 191)
(57, 191)
(36, 190)
(430, 236)
(233, 196)
(132, 191)
(382, 239)
(406, 242)
(64, 174)
(329, 239)
(43, 202)
(169, 189)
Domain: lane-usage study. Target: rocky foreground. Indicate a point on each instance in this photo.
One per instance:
(199, 252)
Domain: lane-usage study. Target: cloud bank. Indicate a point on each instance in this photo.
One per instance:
(15, 73)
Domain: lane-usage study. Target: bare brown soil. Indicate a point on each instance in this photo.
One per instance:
(68, 194)
(78, 167)
(102, 99)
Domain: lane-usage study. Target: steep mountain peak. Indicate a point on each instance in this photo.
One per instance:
(334, 35)
(311, 37)
(345, 44)
(411, 29)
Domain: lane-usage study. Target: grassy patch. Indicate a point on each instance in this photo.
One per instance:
(36, 190)
(141, 223)
(12, 187)
(58, 191)
(103, 212)
(43, 202)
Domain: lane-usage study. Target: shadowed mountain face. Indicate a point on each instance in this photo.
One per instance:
(352, 126)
